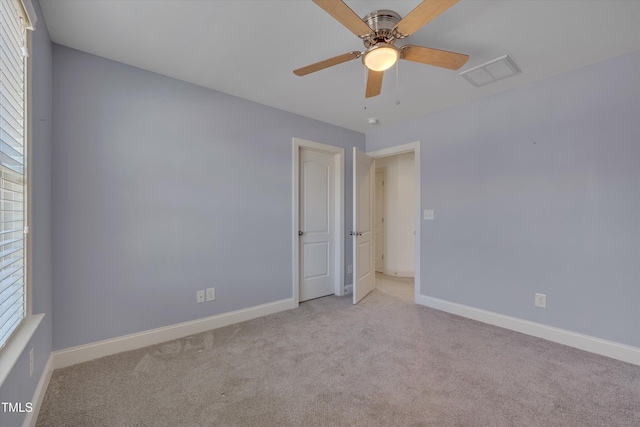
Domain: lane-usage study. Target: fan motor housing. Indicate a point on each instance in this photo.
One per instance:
(382, 23)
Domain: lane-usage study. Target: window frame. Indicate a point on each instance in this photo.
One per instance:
(19, 339)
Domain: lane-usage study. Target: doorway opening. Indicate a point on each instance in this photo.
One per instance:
(397, 214)
(394, 215)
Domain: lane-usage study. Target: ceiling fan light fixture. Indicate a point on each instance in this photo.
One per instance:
(381, 57)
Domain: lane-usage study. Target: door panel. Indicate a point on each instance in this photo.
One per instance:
(315, 190)
(316, 222)
(363, 256)
(316, 257)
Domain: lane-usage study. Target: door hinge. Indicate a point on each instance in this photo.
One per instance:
(383, 220)
(382, 256)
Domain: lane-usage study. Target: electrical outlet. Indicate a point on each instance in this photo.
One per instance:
(541, 300)
(30, 363)
(199, 296)
(211, 294)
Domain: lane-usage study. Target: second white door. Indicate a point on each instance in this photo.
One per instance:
(316, 188)
(363, 197)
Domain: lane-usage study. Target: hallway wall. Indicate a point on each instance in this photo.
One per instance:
(400, 214)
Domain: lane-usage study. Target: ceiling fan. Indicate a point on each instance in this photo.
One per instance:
(379, 31)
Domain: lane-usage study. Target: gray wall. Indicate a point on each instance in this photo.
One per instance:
(18, 387)
(537, 190)
(163, 188)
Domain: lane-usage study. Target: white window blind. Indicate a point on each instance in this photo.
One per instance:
(13, 67)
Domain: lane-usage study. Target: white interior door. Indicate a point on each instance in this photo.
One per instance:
(316, 244)
(363, 252)
(379, 228)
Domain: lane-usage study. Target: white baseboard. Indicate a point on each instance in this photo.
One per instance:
(38, 396)
(400, 273)
(87, 352)
(612, 349)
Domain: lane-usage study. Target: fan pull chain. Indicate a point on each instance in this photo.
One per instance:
(364, 79)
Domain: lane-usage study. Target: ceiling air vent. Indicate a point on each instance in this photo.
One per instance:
(491, 71)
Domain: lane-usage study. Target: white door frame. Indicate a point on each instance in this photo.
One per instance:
(401, 149)
(383, 171)
(338, 229)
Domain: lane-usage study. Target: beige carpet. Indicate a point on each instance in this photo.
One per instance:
(384, 362)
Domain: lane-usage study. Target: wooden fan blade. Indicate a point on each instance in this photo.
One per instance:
(429, 56)
(343, 14)
(326, 63)
(423, 14)
(374, 83)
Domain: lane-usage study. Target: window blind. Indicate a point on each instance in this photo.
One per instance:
(13, 63)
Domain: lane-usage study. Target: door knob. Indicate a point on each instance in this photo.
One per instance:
(300, 233)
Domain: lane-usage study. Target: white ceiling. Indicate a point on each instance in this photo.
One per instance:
(249, 48)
